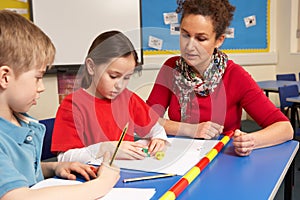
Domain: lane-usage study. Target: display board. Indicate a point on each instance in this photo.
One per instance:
(21, 7)
(249, 30)
(72, 25)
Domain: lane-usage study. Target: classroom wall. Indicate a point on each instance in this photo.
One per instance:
(286, 62)
(48, 102)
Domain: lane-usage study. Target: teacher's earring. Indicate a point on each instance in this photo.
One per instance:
(215, 50)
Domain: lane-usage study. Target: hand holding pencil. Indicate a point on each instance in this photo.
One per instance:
(125, 150)
(110, 174)
(122, 149)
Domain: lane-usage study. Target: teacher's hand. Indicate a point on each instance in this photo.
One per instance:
(243, 143)
(205, 130)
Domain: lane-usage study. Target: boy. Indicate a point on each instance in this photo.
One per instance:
(25, 53)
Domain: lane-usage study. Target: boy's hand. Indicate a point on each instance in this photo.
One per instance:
(69, 169)
(109, 175)
(106, 170)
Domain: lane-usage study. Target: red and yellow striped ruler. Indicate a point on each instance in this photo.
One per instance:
(188, 178)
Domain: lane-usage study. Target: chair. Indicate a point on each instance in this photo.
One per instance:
(286, 77)
(285, 92)
(46, 151)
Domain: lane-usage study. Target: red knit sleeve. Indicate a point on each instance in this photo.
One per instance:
(159, 98)
(254, 101)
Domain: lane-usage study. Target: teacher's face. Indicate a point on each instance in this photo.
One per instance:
(197, 41)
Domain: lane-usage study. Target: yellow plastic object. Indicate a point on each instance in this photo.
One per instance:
(160, 155)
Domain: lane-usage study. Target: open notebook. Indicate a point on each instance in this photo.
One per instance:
(179, 158)
(114, 194)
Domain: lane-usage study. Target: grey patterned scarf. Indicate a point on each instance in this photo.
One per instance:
(188, 81)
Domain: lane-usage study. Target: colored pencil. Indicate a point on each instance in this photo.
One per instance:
(119, 143)
(147, 177)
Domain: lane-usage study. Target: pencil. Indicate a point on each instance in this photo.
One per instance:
(147, 178)
(119, 143)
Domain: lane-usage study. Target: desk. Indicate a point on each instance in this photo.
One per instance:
(273, 85)
(229, 176)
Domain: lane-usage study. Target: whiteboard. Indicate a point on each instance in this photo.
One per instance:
(72, 25)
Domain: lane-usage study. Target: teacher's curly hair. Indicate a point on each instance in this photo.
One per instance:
(220, 12)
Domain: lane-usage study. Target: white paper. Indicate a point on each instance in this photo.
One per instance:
(155, 43)
(170, 18)
(174, 29)
(54, 182)
(179, 158)
(21, 11)
(129, 194)
(250, 21)
(229, 33)
(114, 194)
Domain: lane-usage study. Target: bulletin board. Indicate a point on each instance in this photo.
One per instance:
(21, 7)
(250, 31)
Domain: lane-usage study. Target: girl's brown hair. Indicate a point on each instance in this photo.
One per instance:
(107, 46)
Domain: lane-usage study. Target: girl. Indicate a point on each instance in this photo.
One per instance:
(90, 120)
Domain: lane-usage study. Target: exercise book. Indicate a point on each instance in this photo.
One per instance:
(114, 194)
(180, 155)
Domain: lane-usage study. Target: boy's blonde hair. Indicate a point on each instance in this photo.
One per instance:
(23, 46)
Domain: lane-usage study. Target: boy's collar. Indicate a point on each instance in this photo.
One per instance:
(25, 118)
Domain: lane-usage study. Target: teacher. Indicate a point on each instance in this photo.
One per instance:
(205, 92)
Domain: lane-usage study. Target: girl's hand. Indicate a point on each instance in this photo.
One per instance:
(128, 150)
(156, 145)
(243, 143)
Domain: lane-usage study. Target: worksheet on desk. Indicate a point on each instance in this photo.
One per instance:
(114, 194)
(179, 157)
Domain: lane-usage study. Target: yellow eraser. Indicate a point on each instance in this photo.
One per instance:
(159, 155)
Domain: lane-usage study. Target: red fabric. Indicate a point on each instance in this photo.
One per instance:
(237, 90)
(83, 120)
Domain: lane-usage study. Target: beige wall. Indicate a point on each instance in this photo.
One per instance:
(48, 103)
(284, 62)
(287, 62)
